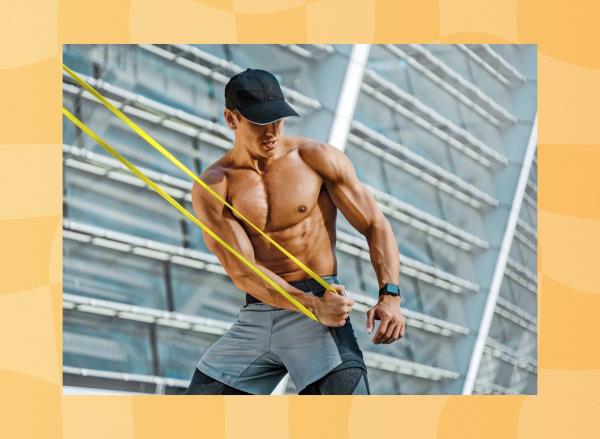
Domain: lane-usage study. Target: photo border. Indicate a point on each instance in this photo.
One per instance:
(567, 38)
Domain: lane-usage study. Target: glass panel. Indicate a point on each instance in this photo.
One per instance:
(427, 348)
(400, 129)
(507, 375)
(375, 115)
(369, 278)
(121, 207)
(179, 351)
(482, 129)
(382, 382)
(492, 86)
(368, 167)
(408, 286)
(412, 190)
(205, 294)
(105, 343)
(531, 213)
(515, 253)
(412, 242)
(70, 131)
(394, 69)
(528, 214)
(434, 97)
(463, 216)
(111, 275)
(348, 271)
(443, 304)
(343, 225)
(133, 147)
(521, 296)
(451, 259)
(472, 171)
(453, 57)
(209, 154)
(513, 336)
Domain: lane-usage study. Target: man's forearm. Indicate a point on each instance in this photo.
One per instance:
(250, 282)
(384, 252)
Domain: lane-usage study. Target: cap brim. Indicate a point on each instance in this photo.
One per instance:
(267, 112)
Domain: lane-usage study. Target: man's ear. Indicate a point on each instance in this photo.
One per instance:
(230, 118)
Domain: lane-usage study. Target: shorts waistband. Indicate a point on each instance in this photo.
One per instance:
(308, 285)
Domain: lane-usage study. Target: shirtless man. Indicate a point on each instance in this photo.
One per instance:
(291, 188)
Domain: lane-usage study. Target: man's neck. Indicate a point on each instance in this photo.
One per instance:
(243, 158)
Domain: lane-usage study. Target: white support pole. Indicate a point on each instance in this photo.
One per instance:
(280, 389)
(349, 95)
(490, 305)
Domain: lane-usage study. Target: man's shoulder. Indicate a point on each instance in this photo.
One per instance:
(214, 176)
(307, 145)
(320, 156)
(314, 151)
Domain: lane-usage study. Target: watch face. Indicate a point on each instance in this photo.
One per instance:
(391, 289)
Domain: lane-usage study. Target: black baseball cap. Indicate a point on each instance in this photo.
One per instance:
(257, 95)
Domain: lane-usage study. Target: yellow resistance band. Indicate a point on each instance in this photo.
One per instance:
(131, 124)
(185, 212)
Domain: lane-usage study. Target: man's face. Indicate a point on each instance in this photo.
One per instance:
(260, 140)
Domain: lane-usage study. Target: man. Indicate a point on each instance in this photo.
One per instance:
(291, 188)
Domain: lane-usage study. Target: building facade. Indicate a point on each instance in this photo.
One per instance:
(443, 135)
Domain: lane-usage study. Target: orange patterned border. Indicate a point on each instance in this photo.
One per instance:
(568, 40)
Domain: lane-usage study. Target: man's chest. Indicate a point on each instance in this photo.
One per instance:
(279, 198)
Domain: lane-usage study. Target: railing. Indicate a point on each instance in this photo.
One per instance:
(451, 81)
(437, 175)
(429, 119)
(516, 315)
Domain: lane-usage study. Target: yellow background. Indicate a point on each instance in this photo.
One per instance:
(568, 39)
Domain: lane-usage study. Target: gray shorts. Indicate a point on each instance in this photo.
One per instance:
(266, 342)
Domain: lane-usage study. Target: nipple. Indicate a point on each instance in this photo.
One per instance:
(302, 208)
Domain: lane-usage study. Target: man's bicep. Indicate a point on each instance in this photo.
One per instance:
(351, 197)
(219, 219)
(232, 232)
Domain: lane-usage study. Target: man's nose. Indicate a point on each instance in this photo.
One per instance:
(271, 128)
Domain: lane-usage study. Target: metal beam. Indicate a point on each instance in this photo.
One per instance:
(488, 313)
(344, 113)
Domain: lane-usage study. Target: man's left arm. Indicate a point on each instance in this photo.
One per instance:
(361, 210)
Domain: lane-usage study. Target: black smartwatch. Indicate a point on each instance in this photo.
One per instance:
(390, 290)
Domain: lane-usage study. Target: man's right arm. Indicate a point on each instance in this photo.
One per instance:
(331, 310)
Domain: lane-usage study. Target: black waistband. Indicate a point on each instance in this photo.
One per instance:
(309, 285)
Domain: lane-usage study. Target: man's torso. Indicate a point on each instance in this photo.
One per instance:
(289, 201)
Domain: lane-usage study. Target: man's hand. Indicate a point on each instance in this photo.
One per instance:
(392, 323)
(333, 309)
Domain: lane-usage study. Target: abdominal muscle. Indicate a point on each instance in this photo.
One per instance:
(312, 241)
